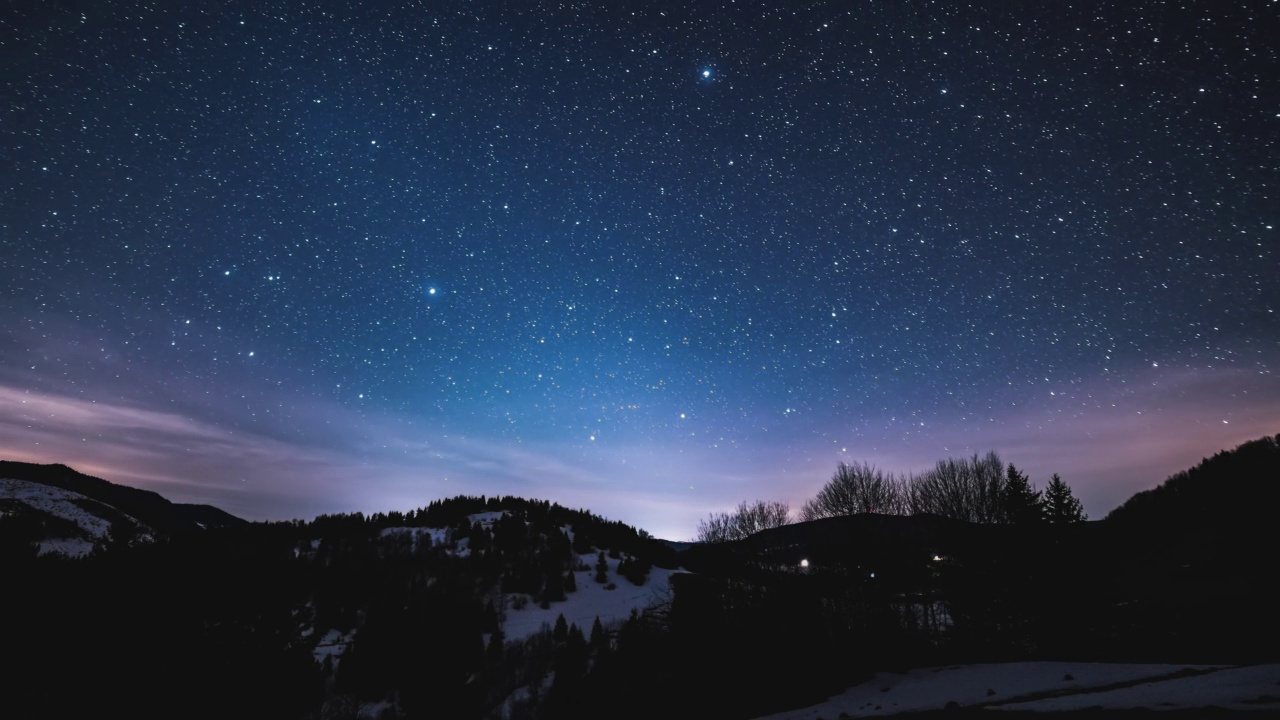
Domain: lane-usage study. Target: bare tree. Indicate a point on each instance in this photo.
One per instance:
(747, 520)
(969, 489)
(855, 489)
(717, 528)
(975, 489)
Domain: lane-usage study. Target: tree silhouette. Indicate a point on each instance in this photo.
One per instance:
(599, 640)
(855, 489)
(1023, 505)
(969, 489)
(1060, 506)
(747, 520)
(561, 630)
(602, 569)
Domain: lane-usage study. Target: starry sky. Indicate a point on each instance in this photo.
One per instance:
(646, 258)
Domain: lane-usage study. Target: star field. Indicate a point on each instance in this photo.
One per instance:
(650, 259)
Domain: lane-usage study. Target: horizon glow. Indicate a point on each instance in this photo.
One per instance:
(294, 263)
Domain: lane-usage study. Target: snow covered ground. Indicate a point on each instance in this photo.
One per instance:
(333, 645)
(59, 503)
(436, 536)
(1252, 687)
(591, 600)
(1053, 686)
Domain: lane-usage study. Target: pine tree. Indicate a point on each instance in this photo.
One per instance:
(1060, 506)
(602, 569)
(573, 656)
(634, 569)
(553, 587)
(570, 582)
(480, 538)
(461, 529)
(599, 640)
(1023, 505)
(561, 630)
(575, 637)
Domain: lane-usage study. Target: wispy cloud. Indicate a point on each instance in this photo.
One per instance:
(1121, 439)
(184, 458)
(388, 467)
(339, 460)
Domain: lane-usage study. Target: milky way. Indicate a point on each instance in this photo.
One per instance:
(645, 258)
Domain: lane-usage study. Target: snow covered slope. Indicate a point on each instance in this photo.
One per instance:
(71, 506)
(592, 600)
(1252, 687)
(1054, 686)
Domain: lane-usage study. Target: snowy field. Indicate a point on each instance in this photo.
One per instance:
(1055, 686)
(434, 536)
(582, 607)
(59, 503)
(591, 600)
(333, 646)
(1253, 687)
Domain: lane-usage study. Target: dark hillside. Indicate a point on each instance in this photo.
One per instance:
(326, 616)
(147, 507)
(1243, 483)
(1210, 530)
(1191, 562)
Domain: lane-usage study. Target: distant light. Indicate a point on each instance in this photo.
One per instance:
(804, 563)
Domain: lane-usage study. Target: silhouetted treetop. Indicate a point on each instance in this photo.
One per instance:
(745, 521)
(1229, 487)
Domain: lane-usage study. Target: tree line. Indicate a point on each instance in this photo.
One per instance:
(977, 489)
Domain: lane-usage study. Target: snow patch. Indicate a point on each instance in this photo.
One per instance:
(933, 688)
(591, 600)
(437, 536)
(62, 504)
(1255, 687)
(486, 519)
(71, 547)
(333, 645)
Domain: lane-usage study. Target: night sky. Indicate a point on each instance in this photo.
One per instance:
(646, 258)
